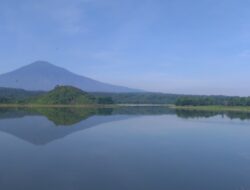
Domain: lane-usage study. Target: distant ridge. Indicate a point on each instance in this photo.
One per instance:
(44, 76)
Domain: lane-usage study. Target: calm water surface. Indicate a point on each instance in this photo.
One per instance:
(123, 149)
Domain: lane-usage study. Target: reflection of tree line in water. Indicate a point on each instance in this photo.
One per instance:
(207, 114)
(59, 116)
(70, 116)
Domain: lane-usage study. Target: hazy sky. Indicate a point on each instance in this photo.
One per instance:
(177, 46)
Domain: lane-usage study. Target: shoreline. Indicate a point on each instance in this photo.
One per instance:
(169, 106)
(80, 106)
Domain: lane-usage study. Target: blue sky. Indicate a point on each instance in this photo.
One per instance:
(175, 46)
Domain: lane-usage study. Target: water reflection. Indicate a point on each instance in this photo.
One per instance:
(132, 148)
(41, 126)
(70, 116)
(195, 114)
(192, 114)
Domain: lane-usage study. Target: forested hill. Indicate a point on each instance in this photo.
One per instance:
(66, 95)
(9, 95)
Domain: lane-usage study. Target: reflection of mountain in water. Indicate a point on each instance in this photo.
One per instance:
(39, 130)
(70, 116)
(41, 126)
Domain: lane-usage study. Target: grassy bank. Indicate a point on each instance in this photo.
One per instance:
(214, 108)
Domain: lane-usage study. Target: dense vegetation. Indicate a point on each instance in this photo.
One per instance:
(8, 95)
(74, 96)
(11, 95)
(64, 95)
(212, 100)
(140, 98)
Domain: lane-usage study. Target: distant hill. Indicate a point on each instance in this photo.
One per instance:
(44, 76)
(64, 95)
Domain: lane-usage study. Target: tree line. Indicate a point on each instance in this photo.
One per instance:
(212, 100)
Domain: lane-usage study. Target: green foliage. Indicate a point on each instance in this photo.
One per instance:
(105, 100)
(212, 100)
(14, 96)
(65, 116)
(140, 98)
(68, 95)
(64, 95)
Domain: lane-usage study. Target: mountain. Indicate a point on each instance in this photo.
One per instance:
(43, 76)
(64, 95)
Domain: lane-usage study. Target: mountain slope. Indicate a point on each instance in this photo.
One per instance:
(42, 75)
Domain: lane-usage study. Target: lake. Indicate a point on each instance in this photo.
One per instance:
(129, 148)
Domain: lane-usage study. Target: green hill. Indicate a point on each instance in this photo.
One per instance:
(64, 95)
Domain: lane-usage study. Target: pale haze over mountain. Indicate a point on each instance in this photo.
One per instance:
(42, 75)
